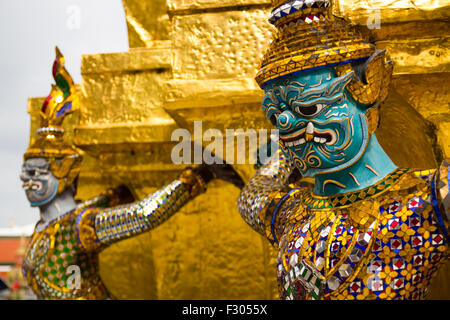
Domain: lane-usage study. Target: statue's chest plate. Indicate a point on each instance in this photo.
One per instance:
(373, 250)
(50, 254)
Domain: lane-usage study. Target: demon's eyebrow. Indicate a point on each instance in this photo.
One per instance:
(327, 93)
(35, 166)
(277, 95)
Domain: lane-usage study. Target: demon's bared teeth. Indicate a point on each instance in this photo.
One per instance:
(295, 142)
(32, 186)
(309, 134)
(321, 140)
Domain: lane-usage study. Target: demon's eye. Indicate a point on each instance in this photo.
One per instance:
(309, 111)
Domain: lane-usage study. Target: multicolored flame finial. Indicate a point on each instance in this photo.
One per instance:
(62, 99)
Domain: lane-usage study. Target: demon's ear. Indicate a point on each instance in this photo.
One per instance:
(388, 69)
(372, 78)
(373, 118)
(66, 171)
(61, 168)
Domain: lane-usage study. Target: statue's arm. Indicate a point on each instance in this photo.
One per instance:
(265, 198)
(98, 228)
(441, 197)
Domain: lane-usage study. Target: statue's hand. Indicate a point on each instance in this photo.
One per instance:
(88, 233)
(223, 172)
(86, 230)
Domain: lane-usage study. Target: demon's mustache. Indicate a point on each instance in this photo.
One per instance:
(322, 132)
(33, 185)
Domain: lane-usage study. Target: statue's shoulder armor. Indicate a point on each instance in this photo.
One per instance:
(437, 183)
(442, 186)
(425, 175)
(434, 183)
(440, 197)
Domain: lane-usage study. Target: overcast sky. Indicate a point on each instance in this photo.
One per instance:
(29, 31)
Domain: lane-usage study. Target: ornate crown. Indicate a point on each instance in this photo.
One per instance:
(309, 37)
(62, 100)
